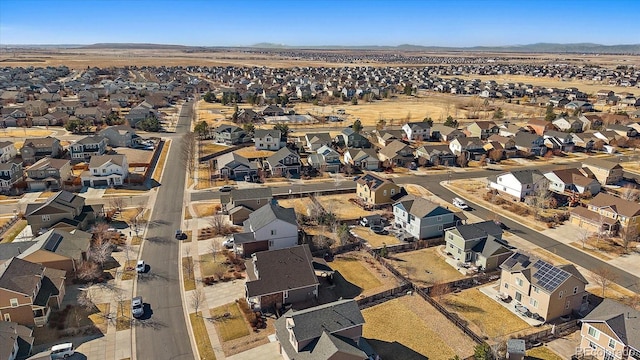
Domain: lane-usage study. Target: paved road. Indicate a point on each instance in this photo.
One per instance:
(166, 337)
(295, 188)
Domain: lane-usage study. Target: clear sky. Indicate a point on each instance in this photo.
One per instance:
(321, 22)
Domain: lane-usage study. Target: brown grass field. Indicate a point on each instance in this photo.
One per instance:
(355, 272)
(300, 205)
(342, 207)
(375, 240)
(202, 336)
(425, 266)
(542, 353)
(231, 327)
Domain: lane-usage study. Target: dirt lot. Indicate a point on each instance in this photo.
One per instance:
(396, 330)
(425, 266)
(374, 239)
(342, 207)
(360, 269)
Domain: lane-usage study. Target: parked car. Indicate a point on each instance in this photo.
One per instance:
(226, 188)
(228, 243)
(459, 203)
(61, 351)
(379, 230)
(180, 235)
(137, 307)
(141, 266)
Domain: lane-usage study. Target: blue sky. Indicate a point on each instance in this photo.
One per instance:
(324, 22)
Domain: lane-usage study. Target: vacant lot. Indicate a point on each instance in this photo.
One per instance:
(342, 207)
(301, 205)
(425, 266)
(229, 321)
(374, 239)
(485, 316)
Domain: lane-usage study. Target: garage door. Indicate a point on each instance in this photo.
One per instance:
(86, 183)
(100, 183)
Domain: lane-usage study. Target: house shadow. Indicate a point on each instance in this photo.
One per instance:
(118, 224)
(151, 183)
(336, 287)
(394, 350)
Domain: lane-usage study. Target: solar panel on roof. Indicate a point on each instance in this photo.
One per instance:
(52, 242)
(549, 276)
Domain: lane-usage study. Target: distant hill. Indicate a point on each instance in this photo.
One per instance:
(136, 46)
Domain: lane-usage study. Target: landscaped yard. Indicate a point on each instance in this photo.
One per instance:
(425, 266)
(229, 321)
(201, 336)
(208, 266)
(483, 313)
(374, 239)
(342, 207)
(355, 272)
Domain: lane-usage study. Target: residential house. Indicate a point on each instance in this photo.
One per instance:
(248, 116)
(509, 130)
(240, 203)
(518, 183)
(444, 133)
(236, 167)
(375, 191)
(46, 120)
(28, 292)
(472, 148)
(314, 141)
(547, 290)
(421, 218)
(325, 159)
(351, 139)
(584, 141)
(479, 244)
(280, 276)
(540, 126)
(230, 135)
(106, 170)
(85, 148)
(417, 131)
(610, 331)
(62, 207)
(530, 143)
(572, 180)
(607, 172)
(482, 129)
(396, 153)
(323, 332)
(507, 145)
(35, 149)
(10, 174)
(16, 340)
(48, 174)
(270, 227)
(385, 137)
(436, 155)
(139, 113)
(364, 159)
(268, 139)
(284, 162)
(58, 249)
(569, 124)
(582, 106)
(271, 110)
(35, 108)
(606, 213)
(119, 135)
(557, 140)
(622, 130)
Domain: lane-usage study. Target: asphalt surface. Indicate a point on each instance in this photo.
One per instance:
(164, 335)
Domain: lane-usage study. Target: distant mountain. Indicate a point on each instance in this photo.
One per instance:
(136, 46)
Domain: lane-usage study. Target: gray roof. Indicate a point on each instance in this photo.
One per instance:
(478, 230)
(421, 207)
(9, 250)
(22, 276)
(93, 139)
(269, 213)
(528, 176)
(516, 346)
(279, 155)
(48, 162)
(600, 163)
(525, 139)
(332, 317)
(62, 202)
(260, 133)
(250, 194)
(233, 160)
(61, 242)
(622, 319)
(10, 333)
(490, 247)
(99, 160)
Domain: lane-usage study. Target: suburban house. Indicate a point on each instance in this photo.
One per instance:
(270, 227)
(10, 174)
(16, 341)
(568, 181)
(283, 162)
(611, 331)
(375, 191)
(582, 106)
(85, 148)
(530, 143)
(444, 133)
(622, 130)
(482, 129)
(547, 290)
(606, 172)
(479, 244)
(352, 139)
(584, 141)
(230, 135)
(314, 141)
(119, 135)
(325, 159)
(37, 148)
(364, 159)
(384, 137)
(48, 173)
(396, 153)
(240, 203)
(417, 131)
(606, 213)
(472, 148)
(58, 249)
(518, 183)
(268, 139)
(436, 155)
(272, 110)
(421, 218)
(8, 151)
(29, 291)
(280, 276)
(329, 331)
(236, 167)
(540, 126)
(62, 207)
(106, 170)
(569, 124)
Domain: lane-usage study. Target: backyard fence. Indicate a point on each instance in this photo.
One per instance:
(384, 296)
(556, 331)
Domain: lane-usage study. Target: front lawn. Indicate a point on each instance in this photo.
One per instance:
(202, 337)
(229, 321)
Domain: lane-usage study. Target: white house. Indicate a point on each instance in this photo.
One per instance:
(7, 151)
(421, 218)
(365, 159)
(271, 227)
(106, 170)
(518, 183)
(417, 131)
(267, 139)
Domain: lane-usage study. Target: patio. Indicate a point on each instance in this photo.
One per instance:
(492, 292)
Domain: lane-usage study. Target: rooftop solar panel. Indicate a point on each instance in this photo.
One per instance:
(52, 242)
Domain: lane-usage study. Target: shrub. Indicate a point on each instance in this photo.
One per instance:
(238, 275)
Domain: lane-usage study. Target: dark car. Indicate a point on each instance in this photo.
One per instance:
(379, 230)
(180, 235)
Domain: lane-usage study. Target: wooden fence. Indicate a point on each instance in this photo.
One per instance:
(381, 297)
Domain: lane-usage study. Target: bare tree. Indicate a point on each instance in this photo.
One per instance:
(100, 252)
(604, 277)
(630, 193)
(540, 198)
(496, 155)
(584, 236)
(88, 271)
(188, 265)
(189, 150)
(85, 299)
(219, 224)
(462, 160)
(196, 299)
(214, 248)
(628, 234)
(117, 203)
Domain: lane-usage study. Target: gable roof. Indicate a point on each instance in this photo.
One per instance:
(47, 163)
(10, 333)
(61, 202)
(282, 269)
(250, 194)
(481, 229)
(621, 206)
(260, 133)
(69, 244)
(20, 276)
(393, 148)
(539, 272)
(331, 317)
(40, 143)
(373, 181)
(421, 207)
(602, 164)
(100, 160)
(281, 154)
(622, 319)
(268, 214)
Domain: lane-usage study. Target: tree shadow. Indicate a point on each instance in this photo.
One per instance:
(336, 287)
(163, 240)
(118, 224)
(462, 307)
(149, 276)
(394, 350)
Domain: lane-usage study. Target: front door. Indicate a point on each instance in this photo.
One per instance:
(518, 297)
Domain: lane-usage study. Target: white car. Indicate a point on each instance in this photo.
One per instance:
(459, 203)
(137, 307)
(228, 244)
(140, 266)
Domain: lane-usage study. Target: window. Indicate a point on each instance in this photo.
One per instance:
(575, 290)
(519, 282)
(7, 317)
(14, 302)
(593, 332)
(439, 227)
(393, 191)
(592, 345)
(104, 171)
(560, 294)
(536, 290)
(384, 192)
(533, 302)
(451, 237)
(567, 305)
(612, 343)
(258, 201)
(506, 285)
(46, 217)
(273, 232)
(439, 218)
(459, 251)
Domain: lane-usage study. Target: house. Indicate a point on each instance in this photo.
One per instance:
(248, 116)
(421, 218)
(582, 106)
(610, 331)
(268, 139)
(229, 134)
(325, 159)
(572, 180)
(479, 244)
(58, 249)
(28, 292)
(314, 141)
(62, 207)
(351, 139)
(557, 140)
(385, 137)
(544, 289)
(270, 227)
(622, 130)
(323, 332)
(444, 133)
(37, 148)
(119, 135)
(540, 126)
(271, 110)
(396, 153)
(607, 172)
(139, 113)
(472, 148)
(16, 340)
(530, 143)
(482, 129)
(48, 173)
(85, 148)
(8, 151)
(607, 213)
(376, 191)
(106, 170)
(364, 159)
(509, 130)
(10, 174)
(569, 124)
(240, 203)
(280, 276)
(417, 131)
(436, 155)
(518, 183)
(236, 167)
(284, 162)
(36, 107)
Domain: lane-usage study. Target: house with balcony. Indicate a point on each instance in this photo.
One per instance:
(270, 227)
(106, 170)
(8, 151)
(479, 244)
(48, 174)
(421, 218)
(85, 148)
(10, 174)
(229, 135)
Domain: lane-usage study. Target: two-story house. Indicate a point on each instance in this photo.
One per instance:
(352, 139)
(333, 330)
(229, 134)
(37, 148)
(479, 244)
(28, 292)
(436, 155)
(268, 139)
(540, 126)
(62, 207)
(240, 203)
(529, 143)
(557, 140)
(444, 133)
(396, 153)
(269, 227)
(280, 276)
(518, 183)
(607, 172)
(608, 214)
(119, 135)
(417, 131)
(547, 290)
(364, 159)
(472, 148)
(10, 174)
(106, 170)
(569, 181)
(611, 331)
(421, 218)
(48, 173)
(284, 162)
(58, 249)
(8, 151)
(385, 137)
(314, 141)
(234, 166)
(85, 148)
(375, 191)
(16, 341)
(325, 159)
(482, 129)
